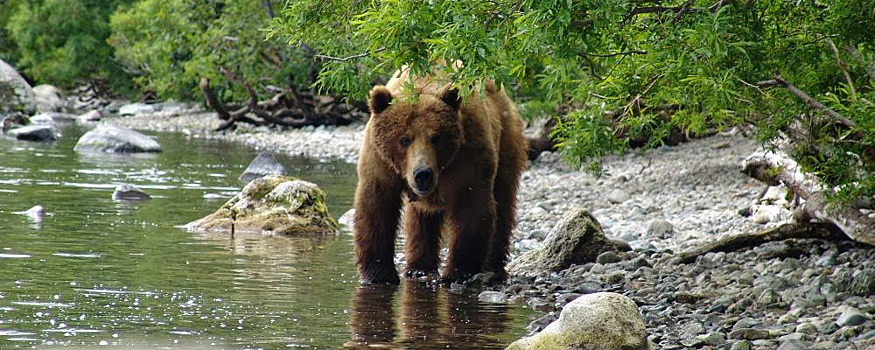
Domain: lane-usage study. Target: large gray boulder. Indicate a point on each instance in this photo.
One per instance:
(16, 94)
(599, 321)
(264, 164)
(48, 98)
(113, 139)
(577, 239)
(39, 133)
(273, 204)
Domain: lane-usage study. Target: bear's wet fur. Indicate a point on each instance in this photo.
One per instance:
(453, 166)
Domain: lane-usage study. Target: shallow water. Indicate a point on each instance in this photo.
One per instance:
(98, 273)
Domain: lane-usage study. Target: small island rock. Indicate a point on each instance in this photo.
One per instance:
(38, 133)
(113, 139)
(273, 204)
(129, 192)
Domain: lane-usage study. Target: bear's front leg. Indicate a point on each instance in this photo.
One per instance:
(378, 206)
(422, 230)
(472, 223)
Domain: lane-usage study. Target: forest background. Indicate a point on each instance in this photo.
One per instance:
(610, 74)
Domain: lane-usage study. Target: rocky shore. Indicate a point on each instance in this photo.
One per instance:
(799, 294)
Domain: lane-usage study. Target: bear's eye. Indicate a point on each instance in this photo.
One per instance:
(405, 141)
(436, 138)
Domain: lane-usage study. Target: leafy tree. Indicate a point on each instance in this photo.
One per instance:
(8, 50)
(630, 68)
(172, 44)
(62, 41)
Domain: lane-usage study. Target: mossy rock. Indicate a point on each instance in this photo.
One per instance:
(599, 321)
(275, 205)
(577, 239)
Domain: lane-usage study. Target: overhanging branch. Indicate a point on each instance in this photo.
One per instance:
(344, 59)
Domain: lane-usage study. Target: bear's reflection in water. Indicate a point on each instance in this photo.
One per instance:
(430, 317)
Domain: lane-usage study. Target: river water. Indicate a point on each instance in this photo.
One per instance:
(98, 273)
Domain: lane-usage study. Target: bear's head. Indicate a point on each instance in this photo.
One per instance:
(419, 139)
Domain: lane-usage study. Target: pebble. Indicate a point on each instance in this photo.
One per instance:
(618, 196)
(492, 297)
(851, 317)
(793, 344)
(713, 339)
(608, 257)
(750, 334)
(740, 345)
(660, 228)
(806, 328)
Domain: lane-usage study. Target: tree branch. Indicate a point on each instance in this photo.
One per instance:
(212, 101)
(624, 53)
(844, 69)
(719, 4)
(774, 167)
(747, 240)
(813, 103)
(344, 59)
(680, 14)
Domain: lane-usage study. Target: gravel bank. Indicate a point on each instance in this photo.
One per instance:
(785, 295)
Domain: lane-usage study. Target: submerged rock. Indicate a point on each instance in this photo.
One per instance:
(273, 204)
(577, 239)
(129, 192)
(264, 164)
(16, 95)
(348, 218)
(113, 139)
(599, 321)
(38, 133)
(36, 213)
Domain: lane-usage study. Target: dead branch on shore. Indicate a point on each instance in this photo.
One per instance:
(776, 167)
(795, 230)
(814, 218)
(287, 108)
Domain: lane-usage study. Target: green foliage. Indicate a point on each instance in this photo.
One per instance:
(628, 68)
(61, 41)
(172, 44)
(8, 49)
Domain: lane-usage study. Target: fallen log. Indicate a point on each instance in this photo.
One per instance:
(775, 167)
(794, 230)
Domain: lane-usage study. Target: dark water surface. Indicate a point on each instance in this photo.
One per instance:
(99, 274)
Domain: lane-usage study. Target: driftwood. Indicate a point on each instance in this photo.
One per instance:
(288, 107)
(796, 230)
(814, 218)
(775, 167)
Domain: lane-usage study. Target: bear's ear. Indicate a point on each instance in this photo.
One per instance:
(450, 96)
(380, 99)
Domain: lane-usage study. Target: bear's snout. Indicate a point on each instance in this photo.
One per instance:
(424, 179)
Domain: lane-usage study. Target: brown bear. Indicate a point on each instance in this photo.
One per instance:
(455, 168)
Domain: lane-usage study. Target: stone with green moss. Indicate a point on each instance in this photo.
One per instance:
(599, 321)
(577, 239)
(275, 205)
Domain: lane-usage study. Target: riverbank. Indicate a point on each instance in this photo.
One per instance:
(793, 294)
